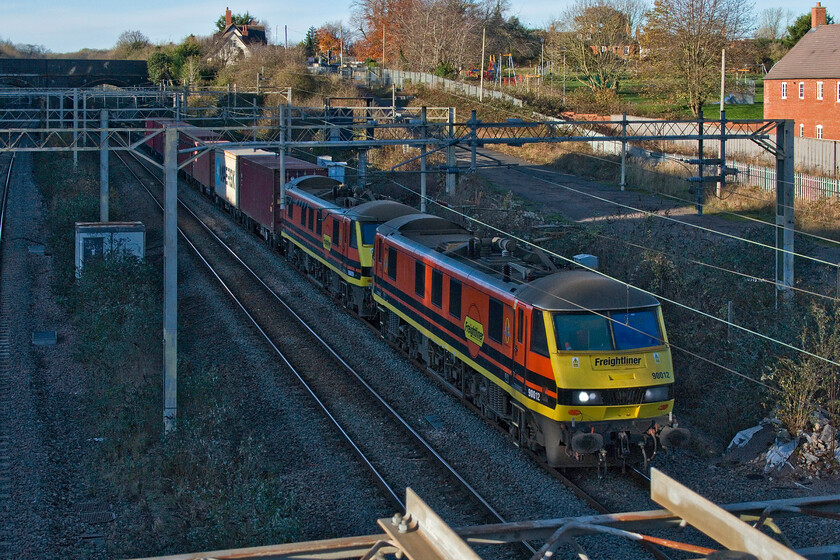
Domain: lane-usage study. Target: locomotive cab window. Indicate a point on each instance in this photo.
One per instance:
(437, 287)
(454, 298)
(335, 235)
(369, 232)
(419, 279)
(494, 330)
(520, 325)
(607, 331)
(291, 209)
(318, 223)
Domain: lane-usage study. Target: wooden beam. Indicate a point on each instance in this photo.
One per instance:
(714, 521)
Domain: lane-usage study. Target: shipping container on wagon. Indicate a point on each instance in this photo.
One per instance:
(260, 184)
(227, 172)
(193, 137)
(156, 142)
(204, 167)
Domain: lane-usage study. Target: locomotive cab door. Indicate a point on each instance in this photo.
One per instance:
(518, 364)
(518, 413)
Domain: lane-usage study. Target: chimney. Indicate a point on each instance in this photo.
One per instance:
(228, 17)
(817, 15)
(244, 30)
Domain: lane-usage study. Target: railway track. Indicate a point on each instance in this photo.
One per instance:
(6, 164)
(396, 454)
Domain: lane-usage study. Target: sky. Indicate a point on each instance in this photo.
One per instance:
(71, 25)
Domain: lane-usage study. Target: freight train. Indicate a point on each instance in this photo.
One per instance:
(572, 364)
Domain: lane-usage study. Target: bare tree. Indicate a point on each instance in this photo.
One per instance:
(131, 42)
(595, 36)
(684, 39)
(772, 23)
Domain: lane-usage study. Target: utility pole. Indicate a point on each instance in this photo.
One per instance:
(170, 280)
(383, 51)
(286, 36)
(784, 208)
(103, 167)
(721, 152)
(423, 160)
(481, 68)
(340, 46)
(75, 127)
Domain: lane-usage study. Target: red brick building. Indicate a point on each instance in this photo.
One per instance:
(805, 84)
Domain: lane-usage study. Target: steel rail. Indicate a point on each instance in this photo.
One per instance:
(5, 196)
(418, 437)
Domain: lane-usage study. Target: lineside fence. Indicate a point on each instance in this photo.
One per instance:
(400, 78)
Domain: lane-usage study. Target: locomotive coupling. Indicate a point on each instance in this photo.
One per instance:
(587, 442)
(674, 437)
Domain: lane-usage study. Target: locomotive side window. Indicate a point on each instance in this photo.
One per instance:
(437, 287)
(419, 279)
(309, 218)
(354, 244)
(335, 236)
(539, 341)
(454, 298)
(318, 223)
(291, 209)
(494, 330)
(392, 263)
(520, 327)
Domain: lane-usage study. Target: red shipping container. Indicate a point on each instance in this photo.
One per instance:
(204, 167)
(190, 137)
(260, 186)
(156, 142)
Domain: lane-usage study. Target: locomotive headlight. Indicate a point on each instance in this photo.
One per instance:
(586, 397)
(656, 394)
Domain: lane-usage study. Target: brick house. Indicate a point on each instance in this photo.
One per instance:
(805, 84)
(236, 41)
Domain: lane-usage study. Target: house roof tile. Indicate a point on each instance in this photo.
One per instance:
(816, 55)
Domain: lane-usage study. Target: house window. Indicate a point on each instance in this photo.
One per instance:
(801, 130)
(784, 90)
(801, 90)
(626, 50)
(819, 131)
(819, 90)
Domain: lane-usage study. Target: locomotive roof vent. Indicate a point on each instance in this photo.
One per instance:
(586, 260)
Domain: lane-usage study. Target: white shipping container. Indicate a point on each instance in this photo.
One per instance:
(227, 172)
(95, 240)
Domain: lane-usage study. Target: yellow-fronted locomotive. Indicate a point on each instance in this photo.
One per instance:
(569, 361)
